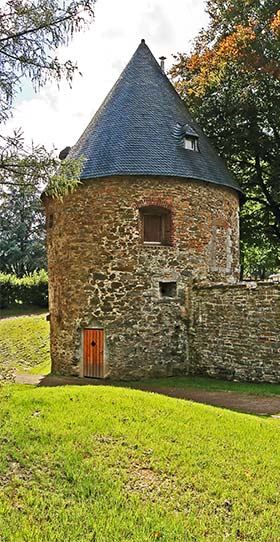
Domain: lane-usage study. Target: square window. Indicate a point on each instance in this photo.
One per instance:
(191, 143)
(156, 223)
(167, 289)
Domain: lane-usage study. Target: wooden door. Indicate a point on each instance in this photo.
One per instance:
(93, 353)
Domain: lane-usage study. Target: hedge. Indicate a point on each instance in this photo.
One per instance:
(31, 289)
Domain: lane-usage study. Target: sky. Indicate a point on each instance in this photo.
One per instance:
(57, 116)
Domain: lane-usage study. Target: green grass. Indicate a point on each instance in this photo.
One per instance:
(25, 344)
(210, 384)
(43, 368)
(102, 464)
(19, 309)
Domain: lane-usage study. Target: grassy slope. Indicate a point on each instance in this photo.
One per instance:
(25, 344)
(114, 465)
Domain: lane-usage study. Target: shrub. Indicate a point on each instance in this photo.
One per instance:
(9, 289)
(34, 288)
(31, 289)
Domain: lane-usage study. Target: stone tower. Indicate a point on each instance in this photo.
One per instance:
(156, 210)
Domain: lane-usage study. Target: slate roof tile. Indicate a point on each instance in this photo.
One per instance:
(133, 131)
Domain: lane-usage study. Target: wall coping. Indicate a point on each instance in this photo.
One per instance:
(250, 285)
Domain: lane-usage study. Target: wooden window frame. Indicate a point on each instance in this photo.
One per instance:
(165, 215)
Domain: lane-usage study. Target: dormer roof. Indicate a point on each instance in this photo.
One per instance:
(139, 128)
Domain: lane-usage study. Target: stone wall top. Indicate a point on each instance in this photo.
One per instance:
(242, 284)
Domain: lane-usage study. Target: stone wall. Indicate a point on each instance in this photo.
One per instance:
(102, 275)
(234, 331)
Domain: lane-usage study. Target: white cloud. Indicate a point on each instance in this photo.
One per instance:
(57, 116)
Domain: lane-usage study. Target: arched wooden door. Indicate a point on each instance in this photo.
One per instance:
(93, 343)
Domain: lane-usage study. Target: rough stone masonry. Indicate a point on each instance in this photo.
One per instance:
(234, 331)
(103, 275)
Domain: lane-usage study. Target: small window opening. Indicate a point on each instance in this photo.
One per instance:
(156, 225)
(50, 221)
(191, 143)
(167, 289)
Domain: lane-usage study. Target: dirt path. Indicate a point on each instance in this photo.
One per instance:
(241, 402)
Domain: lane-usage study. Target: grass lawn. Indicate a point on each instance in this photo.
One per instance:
(114, 465)
(210, 384)
(25, 344)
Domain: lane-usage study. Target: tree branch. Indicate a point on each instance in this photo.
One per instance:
(16, 183)
(36, 29)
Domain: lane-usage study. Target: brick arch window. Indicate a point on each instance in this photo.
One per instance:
(156, 225)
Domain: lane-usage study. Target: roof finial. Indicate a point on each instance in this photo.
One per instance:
(162, 59)
(142, 40)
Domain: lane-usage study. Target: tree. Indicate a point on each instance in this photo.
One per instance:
(22, 245)
(23, 174)
(35, 167)
(22, 248)
(30, 33)
(231, 82)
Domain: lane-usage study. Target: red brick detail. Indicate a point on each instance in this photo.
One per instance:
(154, 202)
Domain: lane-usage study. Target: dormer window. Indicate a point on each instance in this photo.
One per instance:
(186, 137)
(191, 143)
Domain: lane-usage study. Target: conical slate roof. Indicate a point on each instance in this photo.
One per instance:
(140, 127)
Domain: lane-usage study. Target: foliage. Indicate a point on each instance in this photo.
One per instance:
(22, 243)
(23, 174)
(34, 288)
(231, 82)
(35, 167)
(259, 261)
(9, 289)
(64, 178)
(31, 289)
(30, 33)
(86, 463)
(24, 344)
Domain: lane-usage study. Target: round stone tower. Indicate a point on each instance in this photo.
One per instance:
(156, 210)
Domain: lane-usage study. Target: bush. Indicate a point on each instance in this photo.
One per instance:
(34, 289)
(8, 289)
(31, 289)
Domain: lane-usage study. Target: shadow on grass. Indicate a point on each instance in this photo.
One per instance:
(22, 310)
(183, 383)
